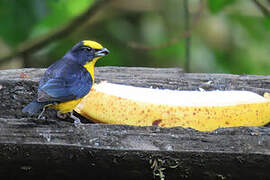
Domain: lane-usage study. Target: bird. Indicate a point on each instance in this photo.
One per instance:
(67, 80)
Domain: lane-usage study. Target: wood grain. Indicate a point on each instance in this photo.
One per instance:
(51, 148)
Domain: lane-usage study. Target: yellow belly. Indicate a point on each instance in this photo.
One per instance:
(66, 107)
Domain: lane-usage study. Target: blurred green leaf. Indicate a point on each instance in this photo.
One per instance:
(267, 23)
(121, 29)
(153, 29)
(60, 12)
(172, 54)
(17, 19)
(21, 19)
(216, 6)
(255, 26)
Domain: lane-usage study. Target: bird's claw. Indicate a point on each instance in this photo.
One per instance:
(77, 121)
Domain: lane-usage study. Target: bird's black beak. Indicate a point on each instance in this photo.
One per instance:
(101, 52)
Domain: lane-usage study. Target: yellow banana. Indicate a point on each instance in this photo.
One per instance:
(204, 111)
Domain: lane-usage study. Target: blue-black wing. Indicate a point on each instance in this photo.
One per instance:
(63, 81)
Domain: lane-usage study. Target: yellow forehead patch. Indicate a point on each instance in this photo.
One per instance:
(92, 44)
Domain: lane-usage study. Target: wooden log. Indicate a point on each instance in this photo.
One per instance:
(51, 148)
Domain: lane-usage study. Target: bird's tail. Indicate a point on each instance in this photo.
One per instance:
(34, 107)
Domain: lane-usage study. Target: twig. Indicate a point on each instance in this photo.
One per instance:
(264, 10)
(32, 46)
(173, 40)
(188, 38)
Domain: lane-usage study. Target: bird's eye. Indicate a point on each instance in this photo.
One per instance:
(88, 48)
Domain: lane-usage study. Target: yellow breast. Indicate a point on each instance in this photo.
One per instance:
(66, 107)
(90, 67)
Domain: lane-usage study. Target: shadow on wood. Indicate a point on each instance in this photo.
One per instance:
(52, 148)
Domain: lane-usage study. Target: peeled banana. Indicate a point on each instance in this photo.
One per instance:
(201, 110)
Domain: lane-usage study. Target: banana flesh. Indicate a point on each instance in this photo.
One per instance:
(203, 111)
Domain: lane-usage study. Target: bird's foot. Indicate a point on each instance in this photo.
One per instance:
(77, 121)
(40, 115)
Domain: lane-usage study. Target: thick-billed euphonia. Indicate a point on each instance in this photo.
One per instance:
(67, 80)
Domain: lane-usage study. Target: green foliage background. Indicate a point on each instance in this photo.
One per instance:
(229, 36)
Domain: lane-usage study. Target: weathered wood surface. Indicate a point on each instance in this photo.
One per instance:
(53, 148)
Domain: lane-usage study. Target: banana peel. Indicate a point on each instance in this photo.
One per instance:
(201, 110)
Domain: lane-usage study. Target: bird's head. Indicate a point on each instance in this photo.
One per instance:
(87, 51)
